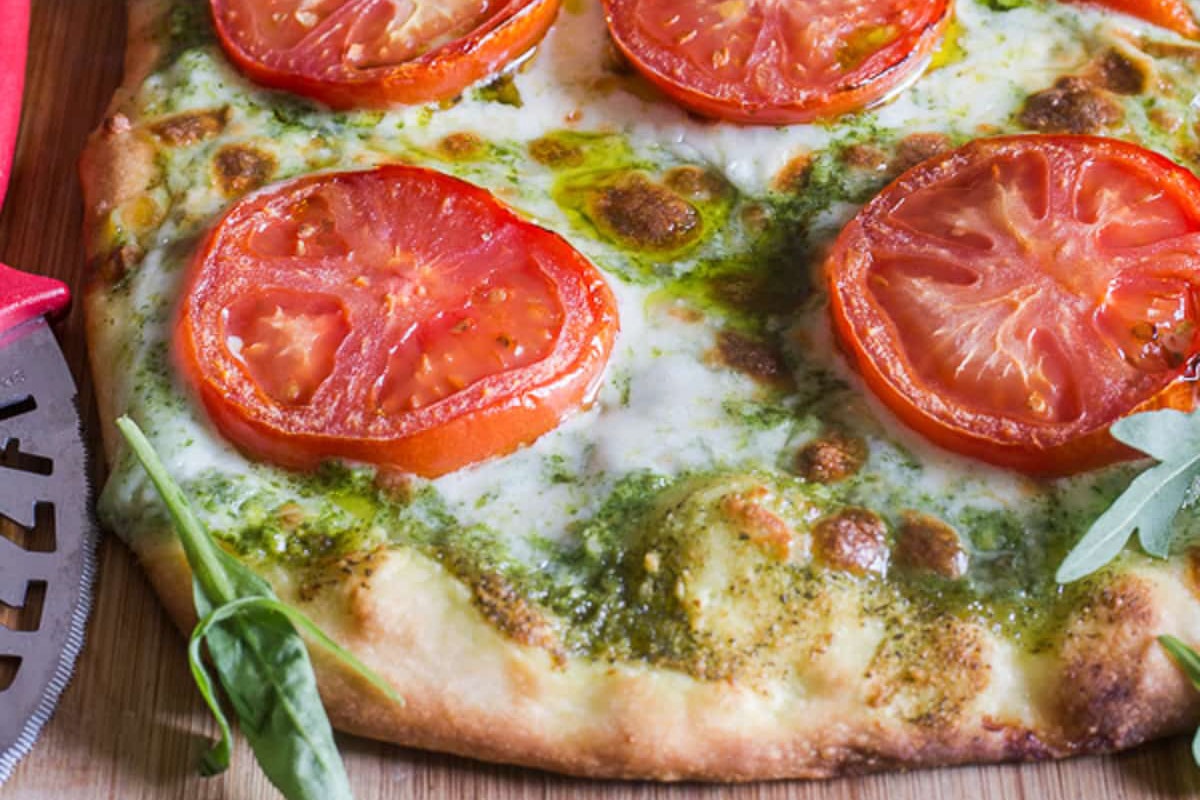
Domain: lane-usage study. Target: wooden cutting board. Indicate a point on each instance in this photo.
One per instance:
(132, 725)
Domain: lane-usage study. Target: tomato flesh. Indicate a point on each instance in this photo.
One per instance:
(378, 53)
(1012, 299)
(1175, 15)
(398, 316)
(773, 62)
(287, 340)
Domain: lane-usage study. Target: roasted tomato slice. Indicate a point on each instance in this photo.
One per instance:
(1175, 15)
(377, 53)
(1012, 299)
(397, 316)
(777, 63)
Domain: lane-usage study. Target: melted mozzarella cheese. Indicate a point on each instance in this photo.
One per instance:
(664, 406)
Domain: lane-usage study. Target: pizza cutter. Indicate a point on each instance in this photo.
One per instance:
(47, 539)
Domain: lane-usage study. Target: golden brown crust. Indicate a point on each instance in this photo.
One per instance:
(464, 682)
(865, 702)
(118, 162)
(1118, 686)
(116, 165)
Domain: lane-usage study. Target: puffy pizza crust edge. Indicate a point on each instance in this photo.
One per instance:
(472, 690)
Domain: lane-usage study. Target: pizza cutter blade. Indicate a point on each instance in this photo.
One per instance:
(47, 539)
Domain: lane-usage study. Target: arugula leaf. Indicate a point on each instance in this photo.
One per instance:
(259, 657)
(1151, 502)
(1188, 661)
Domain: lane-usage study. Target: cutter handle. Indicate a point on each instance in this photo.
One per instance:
(24, 296)
(14, 28)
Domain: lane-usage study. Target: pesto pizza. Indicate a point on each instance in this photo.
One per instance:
(674, 390)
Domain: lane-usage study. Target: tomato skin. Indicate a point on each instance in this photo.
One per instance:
(1174, 15)
(881, 74)
(492, 416)
(868, 335)
(1089, 451)
(440, 74)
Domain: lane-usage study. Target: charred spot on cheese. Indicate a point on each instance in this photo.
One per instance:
(918, 147)
(755, 218)
(1072, 105)
(644, 215)
(114, 266)
(752, 356)
(831, 458)
(867, 157)
(1120, 73)
(852, 540)
(191, 127)
(696, 183)
(927, 544)
(241, 169)
(749, 512)
(794, 175)
(462, 146)
(929, 673)
(556, 152)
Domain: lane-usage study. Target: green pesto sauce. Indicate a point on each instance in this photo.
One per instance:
(501, 90)
(753, 266)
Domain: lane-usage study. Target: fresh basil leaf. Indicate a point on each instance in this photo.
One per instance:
(1152, 500)
(301, 620)
(267, 675)
(245, 583)
(216, 760)
(260, 658)
(213, 573)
